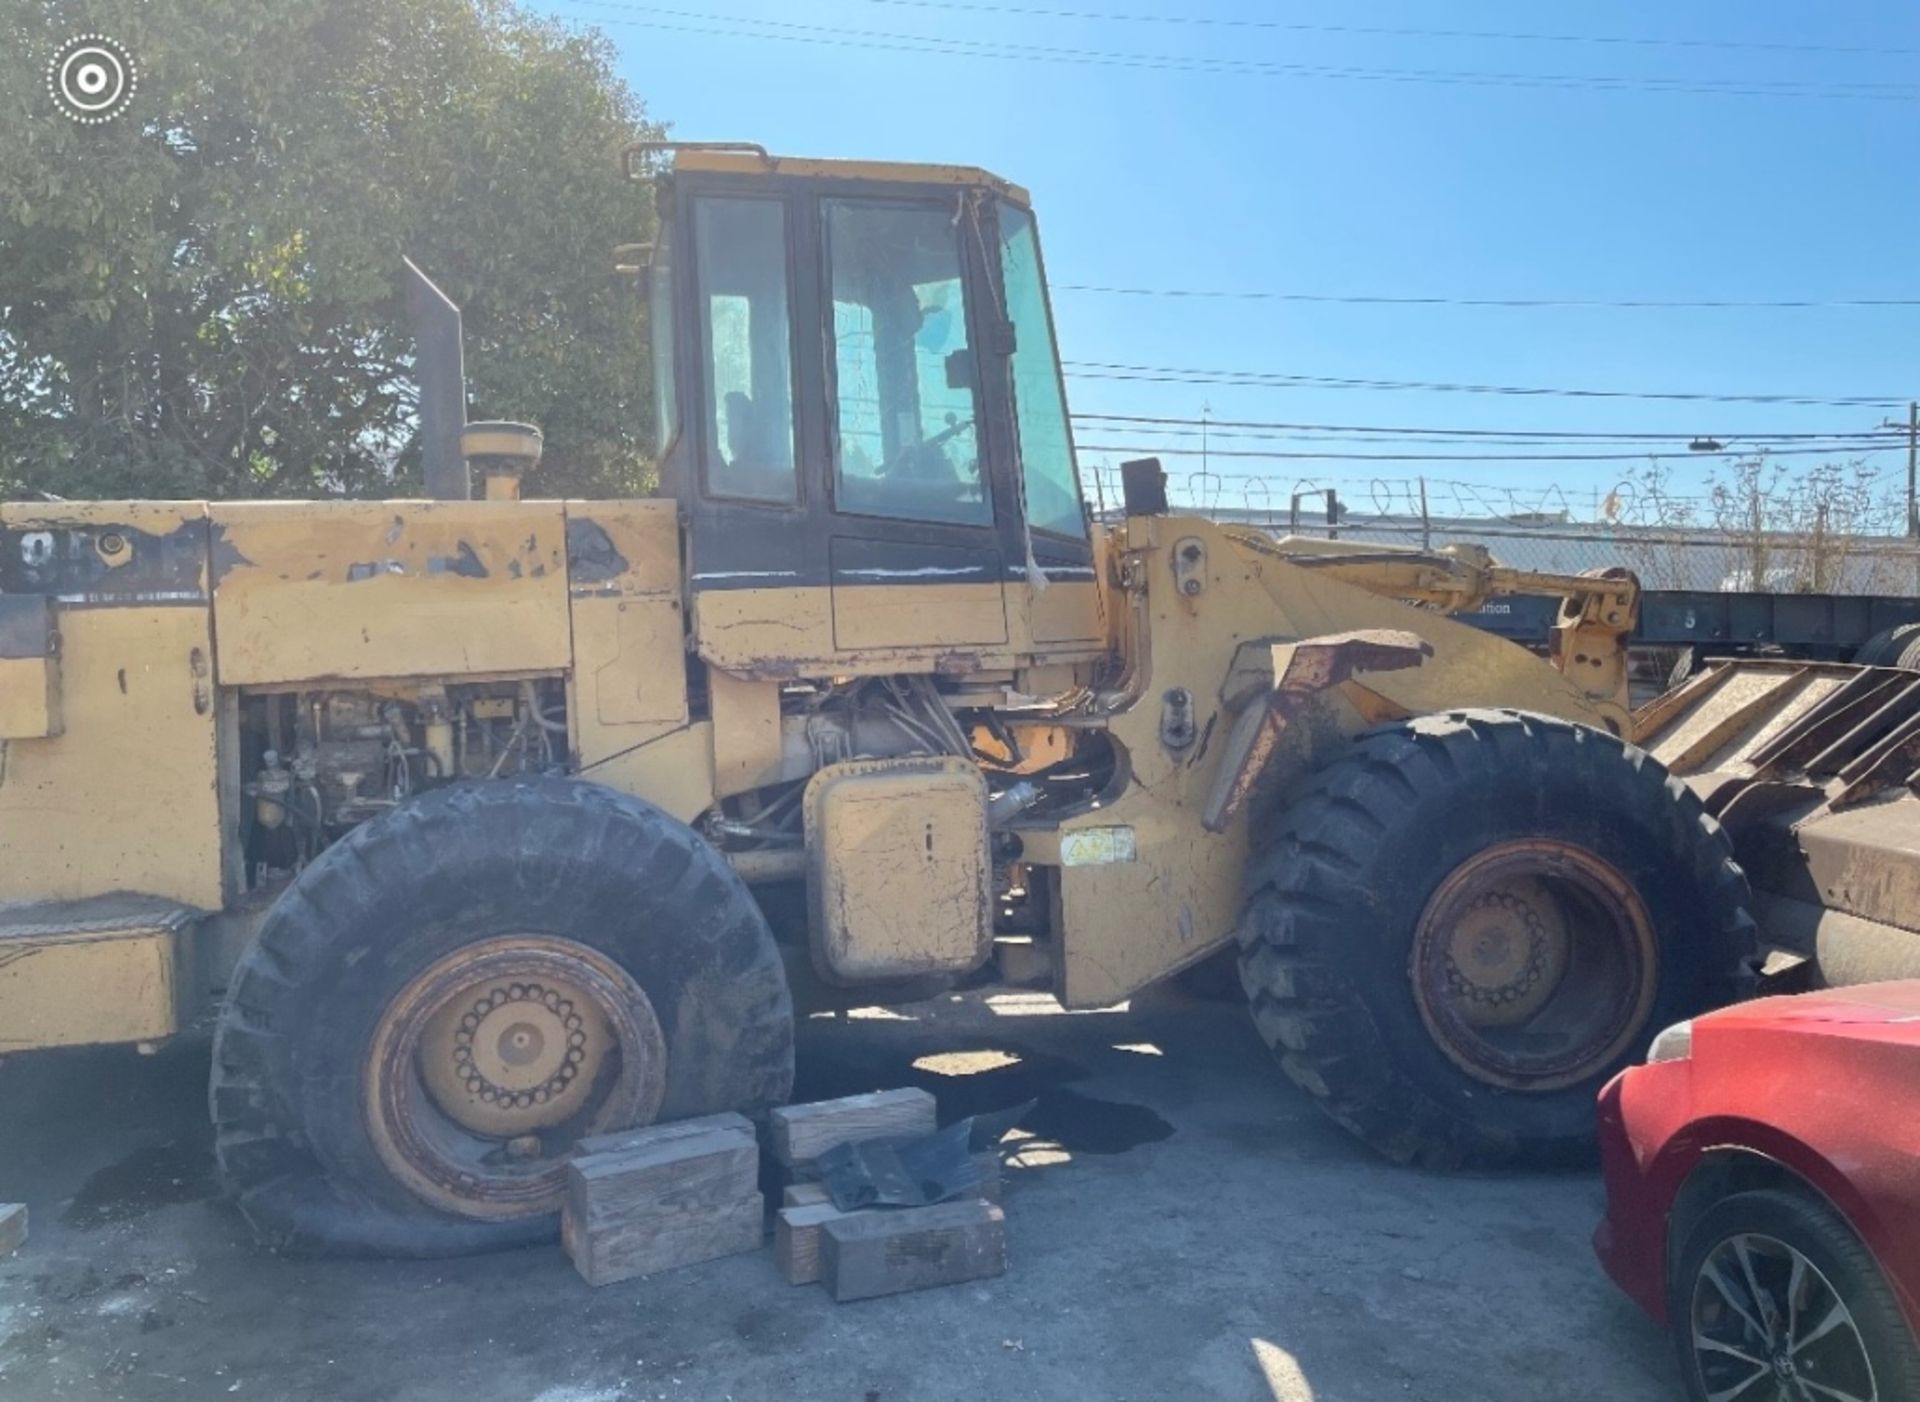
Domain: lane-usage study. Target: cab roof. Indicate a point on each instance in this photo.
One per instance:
(743, 161)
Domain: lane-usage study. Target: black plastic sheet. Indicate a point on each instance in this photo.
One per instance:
(914, 1170)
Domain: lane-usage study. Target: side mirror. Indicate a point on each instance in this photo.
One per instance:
(1143, 487)
(960, 370)
(631, 260)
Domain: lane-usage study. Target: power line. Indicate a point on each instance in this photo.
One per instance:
(1263, 379)
(1670, 442)
(1196, 452)
(784, 31)
(1837, 435)
(1378, 300)
(1664, 442)
(1379, 31)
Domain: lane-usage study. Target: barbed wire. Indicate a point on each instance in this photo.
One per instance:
(1875, 493)
(1848, 537)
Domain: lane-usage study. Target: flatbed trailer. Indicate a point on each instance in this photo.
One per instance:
(1814, 627)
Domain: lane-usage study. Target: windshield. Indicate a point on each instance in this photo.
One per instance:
(1040, 401)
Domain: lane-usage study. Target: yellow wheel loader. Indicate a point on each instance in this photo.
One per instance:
(450, 813)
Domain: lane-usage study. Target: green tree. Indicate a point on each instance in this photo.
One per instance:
(203, 296)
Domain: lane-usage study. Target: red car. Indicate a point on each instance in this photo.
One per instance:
(1763, 1195)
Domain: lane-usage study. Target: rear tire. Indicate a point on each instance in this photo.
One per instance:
(1470, 921)
(366, 1102)
(1749, 1243)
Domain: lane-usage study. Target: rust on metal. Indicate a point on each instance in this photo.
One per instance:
(1816, 787)
(508, 1037)
(1534, 965)
(1294, 673)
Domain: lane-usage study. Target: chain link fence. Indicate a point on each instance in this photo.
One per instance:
(1850, 542)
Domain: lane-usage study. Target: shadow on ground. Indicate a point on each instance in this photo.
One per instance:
(1181, 1224)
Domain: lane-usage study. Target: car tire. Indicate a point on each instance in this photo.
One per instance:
(1836, 1268)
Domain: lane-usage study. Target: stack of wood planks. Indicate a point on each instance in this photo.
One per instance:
(880, 1250)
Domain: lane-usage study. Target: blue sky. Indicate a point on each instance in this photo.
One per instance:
(1214, 181)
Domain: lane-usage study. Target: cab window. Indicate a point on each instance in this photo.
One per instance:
(906, 444)
(1039, 402)
(741, 263)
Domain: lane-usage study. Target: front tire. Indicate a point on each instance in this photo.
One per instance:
(1773, 1287)
(451, 996)
(1470, 921)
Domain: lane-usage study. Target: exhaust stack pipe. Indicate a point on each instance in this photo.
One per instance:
(440, 368)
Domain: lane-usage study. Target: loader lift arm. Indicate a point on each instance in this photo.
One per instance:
(1588, 642)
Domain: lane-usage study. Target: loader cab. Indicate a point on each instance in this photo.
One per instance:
(863, 419)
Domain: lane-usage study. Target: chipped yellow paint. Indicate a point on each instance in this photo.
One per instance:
(644, 534)
(124, 798)
(773, 632)
(321, 590)
(629, 633)
(154, 517)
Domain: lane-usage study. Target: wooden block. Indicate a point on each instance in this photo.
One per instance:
(13, 1227)
(647, 1246)
(796, 1240)
(671, 1176)
(801, 1133)
(865, 1254)
(624, 1139)
(988, 1161)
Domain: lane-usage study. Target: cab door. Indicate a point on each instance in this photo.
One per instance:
(756, 560)
(915, 551)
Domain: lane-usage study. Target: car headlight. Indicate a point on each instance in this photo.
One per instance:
(1675, 1044)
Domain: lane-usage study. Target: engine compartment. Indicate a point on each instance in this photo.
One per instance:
(323, 762)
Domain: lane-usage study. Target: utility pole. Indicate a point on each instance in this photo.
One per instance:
(1913, 468)
(1913, 482)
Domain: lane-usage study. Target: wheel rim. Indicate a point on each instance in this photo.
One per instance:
(1768, 1326)
(489, 1066)
(1534, 965)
